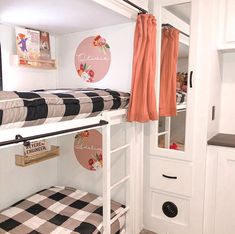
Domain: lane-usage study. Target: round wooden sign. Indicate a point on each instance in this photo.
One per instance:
(92, 59)
(88, 149)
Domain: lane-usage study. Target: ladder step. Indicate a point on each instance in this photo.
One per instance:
(162, 133)
(119, 148)
(120, 182)
(119, 214)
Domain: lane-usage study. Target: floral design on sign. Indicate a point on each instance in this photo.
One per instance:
(92, 59)
(88, 149)
(101, 43)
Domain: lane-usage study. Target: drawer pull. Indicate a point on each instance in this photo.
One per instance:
(170, 177)
(191, 79)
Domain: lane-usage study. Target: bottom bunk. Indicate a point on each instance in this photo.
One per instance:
(60, 210)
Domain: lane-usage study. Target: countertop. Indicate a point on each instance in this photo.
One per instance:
(221, 139)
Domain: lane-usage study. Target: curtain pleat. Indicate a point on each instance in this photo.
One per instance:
(169, 58)
(142, 107)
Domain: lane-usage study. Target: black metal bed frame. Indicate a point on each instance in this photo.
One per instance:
(26, 140)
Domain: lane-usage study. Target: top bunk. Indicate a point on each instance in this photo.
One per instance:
(27, 113)
(44, 111)
(23, 109)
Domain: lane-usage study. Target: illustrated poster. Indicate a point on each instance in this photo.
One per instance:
(27, 43)
(45, 52)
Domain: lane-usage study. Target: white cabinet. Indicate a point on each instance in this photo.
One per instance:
(171, 176)
(123, 8)
(220, 191)
(227, 22)
(169, 186)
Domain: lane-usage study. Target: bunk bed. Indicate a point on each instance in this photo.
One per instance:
(54, 113)
(50, 113)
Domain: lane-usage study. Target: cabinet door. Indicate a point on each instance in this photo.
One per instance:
(225, 193)
(227, 22)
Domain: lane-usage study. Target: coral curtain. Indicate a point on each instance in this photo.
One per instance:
(142, 107)
(169, 58)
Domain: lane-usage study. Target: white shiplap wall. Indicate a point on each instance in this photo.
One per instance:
(120, 39)
(227, 110)
(15, 182)
(18, 78)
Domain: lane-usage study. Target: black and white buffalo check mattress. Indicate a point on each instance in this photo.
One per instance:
(22, 109)
(59, 210)
(181, 97)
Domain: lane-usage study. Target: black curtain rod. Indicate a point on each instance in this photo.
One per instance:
(26, 140)
(143, 11)
(171, 26)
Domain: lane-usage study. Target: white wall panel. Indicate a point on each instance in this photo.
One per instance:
(19, 78)
(227, 112)
(17, 182)
(120, 40)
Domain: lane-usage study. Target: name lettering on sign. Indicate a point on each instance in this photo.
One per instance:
(83, 57)
(36, 147)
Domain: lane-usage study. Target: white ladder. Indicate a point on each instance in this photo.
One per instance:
(107, 187)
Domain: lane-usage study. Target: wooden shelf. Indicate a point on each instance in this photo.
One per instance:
(23, 161)
(49, 64)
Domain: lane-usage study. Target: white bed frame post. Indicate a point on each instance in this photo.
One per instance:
(130, 188)
(106, 179)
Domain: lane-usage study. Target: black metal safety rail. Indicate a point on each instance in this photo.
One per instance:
(142, 11)
(26, 140)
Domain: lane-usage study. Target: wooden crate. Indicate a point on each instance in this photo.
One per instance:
(23, 160)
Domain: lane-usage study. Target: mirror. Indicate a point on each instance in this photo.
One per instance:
(172, 124)
(0, 68)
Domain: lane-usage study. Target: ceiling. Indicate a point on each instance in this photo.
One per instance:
(58, 16)
(182, 11)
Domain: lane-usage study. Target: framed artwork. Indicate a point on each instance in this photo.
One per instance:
(92, 59)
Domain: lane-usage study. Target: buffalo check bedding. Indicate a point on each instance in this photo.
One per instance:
(181, 97)
(22, 109)
(59, 210)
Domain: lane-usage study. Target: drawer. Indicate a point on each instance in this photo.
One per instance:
(171, 176)
(162, 204)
